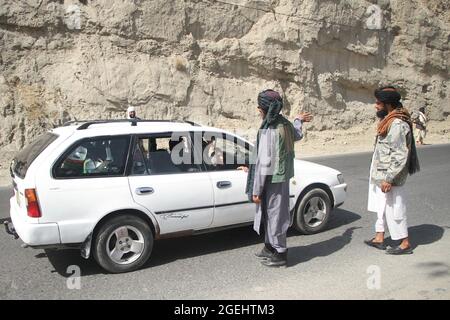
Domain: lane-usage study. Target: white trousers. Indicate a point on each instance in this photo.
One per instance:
(390, 208)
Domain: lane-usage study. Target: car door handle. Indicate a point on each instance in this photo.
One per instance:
(223, 184)
(144, 190)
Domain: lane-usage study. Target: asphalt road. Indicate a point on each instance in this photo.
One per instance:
(334, 264)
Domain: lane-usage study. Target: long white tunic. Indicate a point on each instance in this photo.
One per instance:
(390, 208)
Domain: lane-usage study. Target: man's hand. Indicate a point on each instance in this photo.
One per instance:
(243, 168)
(256, 199)
(305, 116)
(386, 187)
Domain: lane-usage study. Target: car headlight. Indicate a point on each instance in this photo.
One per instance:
(340, 178)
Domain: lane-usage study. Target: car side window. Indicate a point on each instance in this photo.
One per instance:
(140, 163)
(163, 154)
(224, 152)
(104, 156)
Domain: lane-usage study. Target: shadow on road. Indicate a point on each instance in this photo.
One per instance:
(421, 235)
(2, 220)
(338, 218)
(62, 259)
(169, 250)
(438, 269)
(342, 217)
(425, 234)
(325, 248)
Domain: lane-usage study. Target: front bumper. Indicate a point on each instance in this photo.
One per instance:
(33, 234)
(339, 194)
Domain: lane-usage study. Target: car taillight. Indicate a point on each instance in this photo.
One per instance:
(32, 204)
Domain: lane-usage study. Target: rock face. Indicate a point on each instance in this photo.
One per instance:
(206, 60)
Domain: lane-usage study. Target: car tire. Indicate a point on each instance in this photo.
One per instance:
(123, 244)
(313, 212)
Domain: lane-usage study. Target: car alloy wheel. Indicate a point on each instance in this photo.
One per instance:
(315, 212)
(125, 245)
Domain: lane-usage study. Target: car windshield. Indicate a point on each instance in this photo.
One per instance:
(25, 158)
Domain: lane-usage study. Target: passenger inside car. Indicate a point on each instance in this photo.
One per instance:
(180, 157)
(95, 159)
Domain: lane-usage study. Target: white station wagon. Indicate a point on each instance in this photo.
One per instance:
(111, 188)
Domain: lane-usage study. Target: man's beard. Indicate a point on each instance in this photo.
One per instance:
(382, 113)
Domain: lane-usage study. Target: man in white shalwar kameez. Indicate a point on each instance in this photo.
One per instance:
(421, 125)
(393, 158)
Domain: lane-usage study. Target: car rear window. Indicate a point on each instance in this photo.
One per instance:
(25, 158)
(94, 157)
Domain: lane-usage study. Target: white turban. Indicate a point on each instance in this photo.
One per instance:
(130, 109)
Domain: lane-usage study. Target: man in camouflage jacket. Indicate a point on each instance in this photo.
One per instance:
(393, 158)
(390, 158)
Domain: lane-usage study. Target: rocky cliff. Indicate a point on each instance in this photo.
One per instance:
(206, 60)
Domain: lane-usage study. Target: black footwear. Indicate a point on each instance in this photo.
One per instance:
(276, 260)
(265, 253)
(378, 245)
(398, 250)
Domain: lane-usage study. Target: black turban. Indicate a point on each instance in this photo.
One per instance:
(269, 97)
(388, 95)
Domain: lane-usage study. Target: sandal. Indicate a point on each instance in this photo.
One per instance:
(378, 245)
(398, 250)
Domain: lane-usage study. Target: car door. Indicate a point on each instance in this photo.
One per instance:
(179, 194)
(222, 155)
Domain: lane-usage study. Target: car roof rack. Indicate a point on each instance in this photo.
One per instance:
(87, 123)
(192, 123)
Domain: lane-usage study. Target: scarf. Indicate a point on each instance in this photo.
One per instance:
(272, 117)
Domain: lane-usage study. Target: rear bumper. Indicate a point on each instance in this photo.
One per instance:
(339, 194)
(33, 234)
